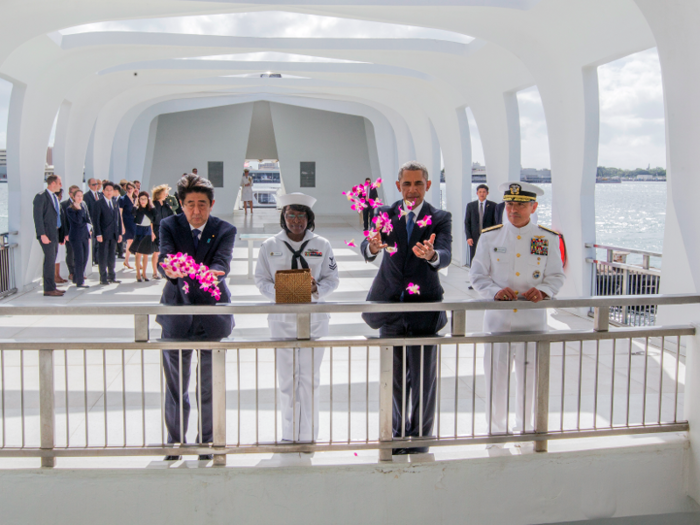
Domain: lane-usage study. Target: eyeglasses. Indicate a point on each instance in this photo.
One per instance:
(297, 217)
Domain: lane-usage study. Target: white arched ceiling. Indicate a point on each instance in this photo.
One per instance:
(417, 85)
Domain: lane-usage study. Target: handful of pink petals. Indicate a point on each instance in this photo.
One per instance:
(185, 264)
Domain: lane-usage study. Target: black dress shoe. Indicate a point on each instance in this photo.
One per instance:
(399, 451)
(173, 458)
(117, 281)
(82, 286)
(471, 287)
(206, 457)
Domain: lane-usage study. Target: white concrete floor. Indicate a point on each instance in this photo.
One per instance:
(134, 413)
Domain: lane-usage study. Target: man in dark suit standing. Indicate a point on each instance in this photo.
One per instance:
(421, 250)
(47, 221)
(108, 232)
(210, 241)
(367, 212)
(91, 198)
(480, 215)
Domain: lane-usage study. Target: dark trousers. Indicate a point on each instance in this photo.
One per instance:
(50, 252)
(472, 250)
(171, 368)
(81, 252)
(414, 324)
(107, 259)
(70, 258)
(367, 218)
(95, 257)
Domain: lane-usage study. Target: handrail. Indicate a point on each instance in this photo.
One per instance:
(360, 307)
(621, 248)
(623, 266)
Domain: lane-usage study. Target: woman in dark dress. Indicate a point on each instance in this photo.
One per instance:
(162, 210)
(144, 217)
(126, 208)
(77, 215)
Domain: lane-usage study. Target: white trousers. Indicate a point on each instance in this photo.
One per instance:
(497, 366)
(299, 376)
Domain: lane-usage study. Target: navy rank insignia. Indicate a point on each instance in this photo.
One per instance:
(536, 274)
(539, 245)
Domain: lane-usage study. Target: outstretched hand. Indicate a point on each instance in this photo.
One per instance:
(425, 250)
(375, 243)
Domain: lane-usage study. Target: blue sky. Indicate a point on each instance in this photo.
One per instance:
(631, 99)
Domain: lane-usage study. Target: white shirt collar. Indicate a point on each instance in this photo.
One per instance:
(201, 228)
(417, 209)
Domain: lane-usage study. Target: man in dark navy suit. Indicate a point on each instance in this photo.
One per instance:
(108, 231)
(480, 215)
(210, 241)
(421, 250)
(47, 221)
(91, 198)
(373, 194)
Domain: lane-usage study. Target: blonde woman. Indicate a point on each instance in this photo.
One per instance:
(161, 210)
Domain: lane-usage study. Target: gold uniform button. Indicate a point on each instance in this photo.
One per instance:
(538, 264)
(517, 274)
(518, 237)
(517, 255)
(539, 258)
(515, 310)
(498, 259)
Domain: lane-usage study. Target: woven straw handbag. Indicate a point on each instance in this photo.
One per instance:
(293, 286)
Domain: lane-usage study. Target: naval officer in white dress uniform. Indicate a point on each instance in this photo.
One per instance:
(515, 260)
(296, 246)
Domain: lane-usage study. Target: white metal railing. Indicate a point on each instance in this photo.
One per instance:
(614, 276)
(96, 398)
(8, 285)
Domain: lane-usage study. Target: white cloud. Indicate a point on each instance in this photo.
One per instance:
(272, 24)
(632, 126)
(534, 141)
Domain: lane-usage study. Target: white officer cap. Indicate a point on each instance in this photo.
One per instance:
(520, 191)
(300, 199)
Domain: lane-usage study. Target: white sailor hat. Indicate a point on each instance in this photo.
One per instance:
(296, 198)
(520, 191)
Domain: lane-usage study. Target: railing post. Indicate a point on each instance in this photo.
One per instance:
(386, 403)
(304, 325)
(47, 415)
(646, 259)
(218, 371)
(141, 334)
(625, 291)
(601, 318)
(542, 401)
(459, 322)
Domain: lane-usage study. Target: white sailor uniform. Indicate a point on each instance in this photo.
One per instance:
(518, 258)
(274, 255)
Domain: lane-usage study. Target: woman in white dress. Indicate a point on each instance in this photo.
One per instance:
(296, 246)
(247, 191)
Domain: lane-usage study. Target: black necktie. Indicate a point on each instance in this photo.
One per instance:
(195, 238)
(297, 255)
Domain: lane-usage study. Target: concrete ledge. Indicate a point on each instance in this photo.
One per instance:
(557, 487)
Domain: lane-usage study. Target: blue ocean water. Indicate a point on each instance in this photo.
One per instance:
(630, 214)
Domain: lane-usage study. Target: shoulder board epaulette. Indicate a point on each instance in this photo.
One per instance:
(549, 230)
(492, 228)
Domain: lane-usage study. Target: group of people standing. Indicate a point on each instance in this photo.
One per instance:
(518, 259)
(118, 218)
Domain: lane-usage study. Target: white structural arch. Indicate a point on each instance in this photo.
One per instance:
(110, 85)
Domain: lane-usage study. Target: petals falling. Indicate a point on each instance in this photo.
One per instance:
(351, 243)
(376, 184)
(391, 250)
(425, 222)
(413, 289)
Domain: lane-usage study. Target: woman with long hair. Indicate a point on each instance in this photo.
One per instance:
(144, 216)
(161, 210)
(126, 208)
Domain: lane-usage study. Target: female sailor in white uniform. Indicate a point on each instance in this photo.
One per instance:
(296, 246)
